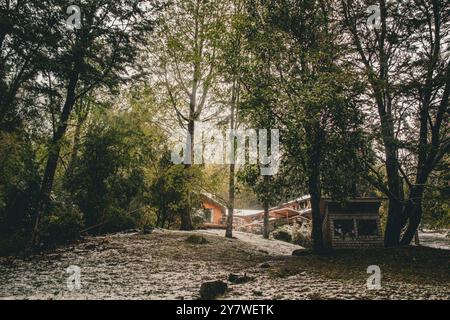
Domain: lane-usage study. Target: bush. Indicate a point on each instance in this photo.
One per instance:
(302, 239)
(196, 239)
(282, 235)
(59, 229)
(118, 220)
(13, 243)
(19, 188)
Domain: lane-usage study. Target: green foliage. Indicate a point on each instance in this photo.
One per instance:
(281, 64)
(62, 225)
(436, 203)
(108, 181)
(169, 191)
(295, 84)
(19, 185)
(302, 239)
(282, 235)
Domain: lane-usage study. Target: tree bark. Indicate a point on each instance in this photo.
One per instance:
(53, 156)
(186, 219)
(315, 193)
(76, 142)
(231, 197)
(266, 230)
(231, 181)
(315, 138)
(395, 218)
(413, 209)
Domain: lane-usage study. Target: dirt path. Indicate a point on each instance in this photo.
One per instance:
(434, 240)
(162, 265)
(273, 247)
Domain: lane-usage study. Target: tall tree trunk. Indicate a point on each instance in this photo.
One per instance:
(76, 143)
(266, 230)
(315, 138)
(231, 197)
(413, 209)
(395, 220)
(3, 85)
(231, 181)
(383, 96)
(186, 220)
(315, 193)
(53, 156)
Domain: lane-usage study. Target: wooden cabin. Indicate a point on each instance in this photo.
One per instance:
(214, 212)
(355, 224)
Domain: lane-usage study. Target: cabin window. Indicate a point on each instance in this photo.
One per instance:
(208, 214)
(367, 227)
(344, 228)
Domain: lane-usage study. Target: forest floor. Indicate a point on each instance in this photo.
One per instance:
(162, 265)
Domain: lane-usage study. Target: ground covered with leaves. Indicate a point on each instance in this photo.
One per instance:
(164, 265)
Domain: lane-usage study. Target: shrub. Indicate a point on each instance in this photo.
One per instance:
(59, 229)
(13, 243)
(118, 220)
(282, 235)
(302, 239)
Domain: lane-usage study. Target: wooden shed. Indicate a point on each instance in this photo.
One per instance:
(213, 211)
(355, 224)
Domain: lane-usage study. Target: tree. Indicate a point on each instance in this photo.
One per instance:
(84, 59)
(300, 84)
(188, 67)
(405, 64)
(231, 52)
(25, 32)
(108, 179)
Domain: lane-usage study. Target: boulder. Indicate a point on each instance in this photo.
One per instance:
(147, 230)
(196, 239)
(238, 279)
(264, 265)
(212, 289)
(301, 252)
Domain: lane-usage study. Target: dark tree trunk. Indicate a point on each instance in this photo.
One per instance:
(315, 193)
(266, 230)
(231, 181)
(231, 196)
(413, 210)
(53, 156)
(395, 219)
(315, 137)
(76, 144)
(3, 86)
(186, 220)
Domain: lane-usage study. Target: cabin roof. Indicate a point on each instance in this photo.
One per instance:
(245, 212)
(212, 199)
